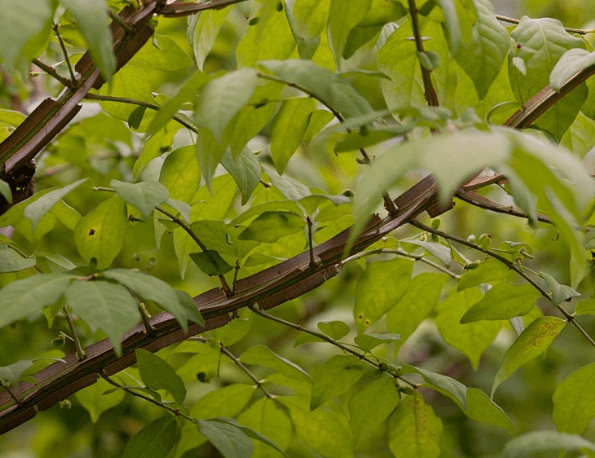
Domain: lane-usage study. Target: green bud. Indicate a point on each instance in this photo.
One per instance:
(435, 238)
(436, 223)
(471, 238)
(472, 265)
(485, 241)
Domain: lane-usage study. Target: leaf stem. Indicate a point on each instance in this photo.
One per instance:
(66, 58)
(511, 265)
(241, 365)
(145, 317)
(53, 73)
(11, 394)
(141, 103)
(429, 91)
(326, 338)
(118, 20)
(311, 243)
(175, 412)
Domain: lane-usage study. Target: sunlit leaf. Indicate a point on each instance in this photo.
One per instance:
(145, 195)
(334, 377)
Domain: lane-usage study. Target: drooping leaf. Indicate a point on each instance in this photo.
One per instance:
(271, 226)
(379, 288)
(574, 401)
(559, 293)
(420, 298)
(5, 191)
(488, 271)
(27, 296)
(505, 300)
(227, 401)
(206, 30)
(334, 377)
(452, 26)
(12, 374)
(95, 401)
(151, 288)
(372, 405)
(264, 356)
(154, 440)
(367, 342)
(534, 340)
(334, 329)
(180, 174)
(155, 146)
(105, 305)
(245, 170)
(414, 430)
(307, 19)
(229, 440)
(442, 383)
(11, 261)
(94, 22)
(343, 17)
(159, 375)
(543, 441)
(100, 234)
(189, 306)
(572, 61)
(481, 408)
(440, 251)
(38, 209)
(471, 338)
(210, 262)
(145, 195)
(249, 432)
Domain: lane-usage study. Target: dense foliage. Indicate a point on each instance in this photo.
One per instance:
(250, 154)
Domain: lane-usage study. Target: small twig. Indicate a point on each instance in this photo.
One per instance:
(429, 91)
(241, 365)
(511, 265)
(145, 317)
(568, 29)
(186, 10)
(310, 243)
(175, 412)
(226, 289)
(11, 394)
(326, 338)
(80, 353)
(141, 103)
(66, 58)
(265, 184)
(416, 257)
(118, 20)
(53, 73)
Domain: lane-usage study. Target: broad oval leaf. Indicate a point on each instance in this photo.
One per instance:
(571, 62)
(38, 209)
(12, 374)
(264, 356)
(481, 408)
(271, 226)
(574, 401)
(334, 377)
(145, 195)
(229, 440)
(559, 293)
(153, 441)
(227, 401)
(180, 174)
(105, 305)
(336, 330)
(245, 170)
(11, 261)
(159, 375)
(95, 401)
(442, 383)
(210, 262)
(100, 234)
(542, 441)
(534, 340)
(504, 301)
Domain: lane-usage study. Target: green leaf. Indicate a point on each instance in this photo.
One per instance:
(100, 234)
(222, 98)
(502, 302)
(368, 342)
(20, 22)
(471, 338)
(372, 405)
(336, 330)
(13, 373)
(414, 430)
(580, 138)
(226, 401)
(441, 383)
(271, 226)
(421, 296)
(327, 86)
(245, 170)
(586, 307)
(559, 293)
(5, 191)
(326, 431)
(95, 401)
(38, 209)
(534, 340)
(440, 251)
(151, 288)
(229, 440)
(27, 296)
(189, 306)
(210, 262)
(452, 27)
(184, 93)
(542, 441)
(481, 408)
(334, 377)
(571, 62)
(307, 19)
(428, 60)
(153, 441)
(266, 418)
(249, 432)
(264, 356)
(136, 117)
(182, 207)
(145, 195)
(162, 53)
(159, 375)
(481, 58)
(488, 271)
(288, 129)
(206, 30)
(379, 288)
(574, 401)
(11, 261)
(290, 188)
(159, 143)
(542, 44)
(232, 332)
(180, 174)
(343, 17)
(105, 305)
